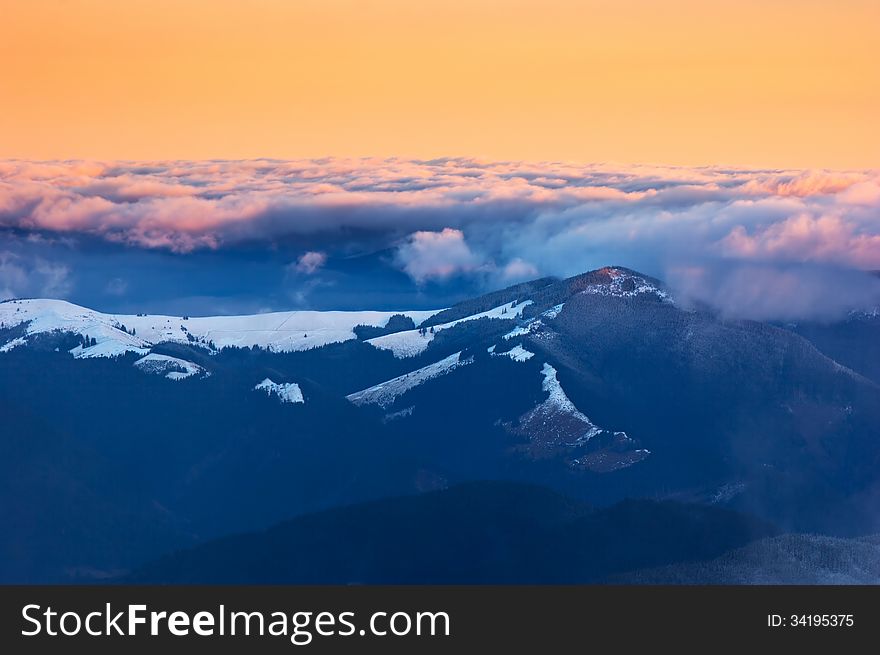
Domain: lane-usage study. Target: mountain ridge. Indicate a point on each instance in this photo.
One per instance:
(112, 334)
(600, 387)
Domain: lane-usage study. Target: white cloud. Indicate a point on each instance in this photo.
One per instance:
(436, 255)
(518, 270)
(775, 292)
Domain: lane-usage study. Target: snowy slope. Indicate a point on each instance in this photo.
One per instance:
(286, 392)
(413, 342)
(277, 331)
(556, 426)
(385, 393)
(536, 325)
(558, 404)
(46, 316)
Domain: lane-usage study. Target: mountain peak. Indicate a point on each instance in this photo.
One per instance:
(618, 281)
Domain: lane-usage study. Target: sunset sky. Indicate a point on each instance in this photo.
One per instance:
(777, 83)
(225, 156)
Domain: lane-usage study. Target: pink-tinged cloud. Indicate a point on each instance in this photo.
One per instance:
(823, 238)
(864, 193)
(804, 184)
(308, 263)
(457, 216)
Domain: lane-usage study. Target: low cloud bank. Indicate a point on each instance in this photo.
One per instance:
(768, 244)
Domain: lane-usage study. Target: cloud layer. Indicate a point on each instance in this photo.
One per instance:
(504, 221)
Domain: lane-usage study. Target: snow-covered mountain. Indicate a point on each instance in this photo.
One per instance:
(114, 334)
(109, 335)
(600, 386)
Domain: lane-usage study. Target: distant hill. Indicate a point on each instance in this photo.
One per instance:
(792, 559)
(477, 533)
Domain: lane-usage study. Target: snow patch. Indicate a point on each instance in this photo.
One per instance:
(403, 413)
(385, 393)
(517, 354)
(15, 343)
(727, 492)
(172, 368)
(553, 312)
(532, 327)
(287, 392)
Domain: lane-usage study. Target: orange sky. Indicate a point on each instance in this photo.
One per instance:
(776, 82)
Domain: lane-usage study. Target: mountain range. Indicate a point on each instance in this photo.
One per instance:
(129, 438)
